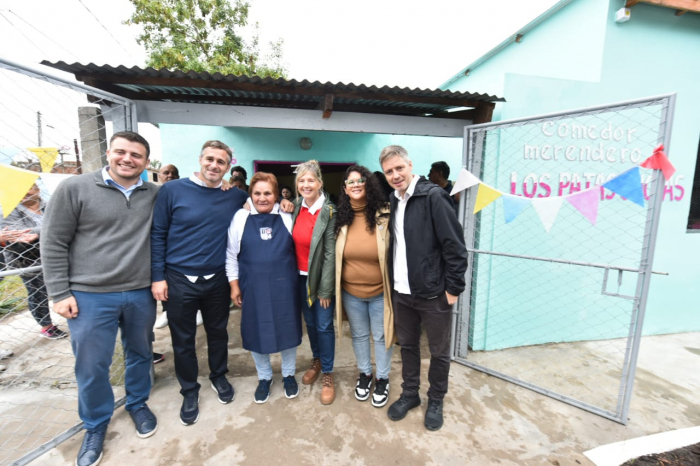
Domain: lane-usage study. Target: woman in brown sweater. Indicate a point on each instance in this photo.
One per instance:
(362, 278)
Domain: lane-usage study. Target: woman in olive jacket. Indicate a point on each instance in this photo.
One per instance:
(314, 240)
(362, 283)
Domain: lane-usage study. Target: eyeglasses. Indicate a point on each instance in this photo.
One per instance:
(359, 182)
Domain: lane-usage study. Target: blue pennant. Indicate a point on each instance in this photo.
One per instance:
(513, 206)
(628, 185)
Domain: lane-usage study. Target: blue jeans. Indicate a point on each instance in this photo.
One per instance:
(319, 326)
(93, 335)
(264, 368)
(367, 314)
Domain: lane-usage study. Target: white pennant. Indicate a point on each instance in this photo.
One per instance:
(52, 180)
(547, 209)
(464, 180)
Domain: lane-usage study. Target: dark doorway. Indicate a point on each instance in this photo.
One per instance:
(284, 171)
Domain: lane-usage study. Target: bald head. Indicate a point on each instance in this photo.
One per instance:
(168, 173)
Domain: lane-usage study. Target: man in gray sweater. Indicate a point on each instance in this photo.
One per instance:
(95, 252)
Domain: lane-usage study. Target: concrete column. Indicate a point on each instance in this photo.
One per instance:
(93, 139)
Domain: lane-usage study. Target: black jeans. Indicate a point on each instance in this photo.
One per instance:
(37, 298)
(436, 316)
(212, 297)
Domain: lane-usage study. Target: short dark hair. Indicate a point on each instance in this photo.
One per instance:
(239, 169)
(443, 168)
(218, 145)
(133, 137)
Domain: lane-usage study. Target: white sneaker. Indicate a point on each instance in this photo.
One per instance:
(5, 353)
(199, 318)
(162, 322)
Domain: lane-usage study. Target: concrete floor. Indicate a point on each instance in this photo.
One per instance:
(487, 420)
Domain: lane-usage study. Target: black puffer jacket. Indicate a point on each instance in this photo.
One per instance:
(436, 254)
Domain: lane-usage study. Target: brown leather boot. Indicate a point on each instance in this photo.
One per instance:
(328, 390)
(312, 372)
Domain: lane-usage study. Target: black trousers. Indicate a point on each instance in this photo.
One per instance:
(212, 297)
(37, 297)
(436, 316)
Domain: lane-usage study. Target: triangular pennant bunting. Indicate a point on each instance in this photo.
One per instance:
(659, 161)
(513, 206)
(14, 184)
(52, 180)
(547, 209)
(629, 185)
(47, 157)
(586, 202)
(464, 181)
(485, 196)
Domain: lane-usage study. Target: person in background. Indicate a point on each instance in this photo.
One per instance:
(428, 260)
(314, 241)
(188, 269)
(19, 233)
(362, 279)
(287, 193)
(439, 174)
(386, 189)
(169, 173)
(240, 172)
(95, 242)
(238, 181)
(262, 270)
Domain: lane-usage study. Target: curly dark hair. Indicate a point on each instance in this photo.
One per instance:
(375, 200)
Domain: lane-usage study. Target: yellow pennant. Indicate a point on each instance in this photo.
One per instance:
(47, 157)
(485, 196)
(14, 184)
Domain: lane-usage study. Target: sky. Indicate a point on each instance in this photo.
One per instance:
(407, 43)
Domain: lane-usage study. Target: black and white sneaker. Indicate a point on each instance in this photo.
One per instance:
(189, 412)
(262, 393)
(362, 388)
(381, 393)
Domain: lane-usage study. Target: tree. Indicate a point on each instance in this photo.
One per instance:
(202, 35)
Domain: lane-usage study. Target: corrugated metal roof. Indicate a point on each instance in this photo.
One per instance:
(192, 87)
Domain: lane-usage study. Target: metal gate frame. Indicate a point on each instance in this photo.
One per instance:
(130, 120)
(473, 145)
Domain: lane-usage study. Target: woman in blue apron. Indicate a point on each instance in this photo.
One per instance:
(262, 270)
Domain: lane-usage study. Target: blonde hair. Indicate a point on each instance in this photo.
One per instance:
(302, 169)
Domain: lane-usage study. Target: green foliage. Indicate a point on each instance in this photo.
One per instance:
(201, 35)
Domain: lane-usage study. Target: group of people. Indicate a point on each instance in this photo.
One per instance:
(112, 245)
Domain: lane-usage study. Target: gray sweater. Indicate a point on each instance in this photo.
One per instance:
(93, 239)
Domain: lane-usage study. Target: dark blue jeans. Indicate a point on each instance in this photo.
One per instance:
(93, 336)
(319, 326)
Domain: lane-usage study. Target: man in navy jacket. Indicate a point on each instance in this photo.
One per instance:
(427, 262)
(188, 269)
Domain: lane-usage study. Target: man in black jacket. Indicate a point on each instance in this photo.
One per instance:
(427, 261)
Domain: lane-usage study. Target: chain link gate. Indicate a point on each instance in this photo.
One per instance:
(561, 312)
(57, 126)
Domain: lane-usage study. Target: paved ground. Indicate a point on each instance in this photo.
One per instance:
(487, 420)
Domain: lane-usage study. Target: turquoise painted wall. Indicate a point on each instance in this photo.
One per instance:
(654, 53)
(182, 145)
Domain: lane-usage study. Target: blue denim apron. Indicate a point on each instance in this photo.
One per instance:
(268, 275)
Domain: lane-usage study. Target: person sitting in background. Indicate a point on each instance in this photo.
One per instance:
(362, 279)
(262, 270)
(20, 235)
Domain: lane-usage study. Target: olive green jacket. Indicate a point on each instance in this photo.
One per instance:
(321, 280)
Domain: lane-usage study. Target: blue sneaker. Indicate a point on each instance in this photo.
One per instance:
(145, 421)
(262, 393)
(291, 389)
(223, 389)
(90, 452)
(189, 412)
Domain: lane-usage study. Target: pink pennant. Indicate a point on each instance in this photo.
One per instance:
(586, 202)
(659, 161)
